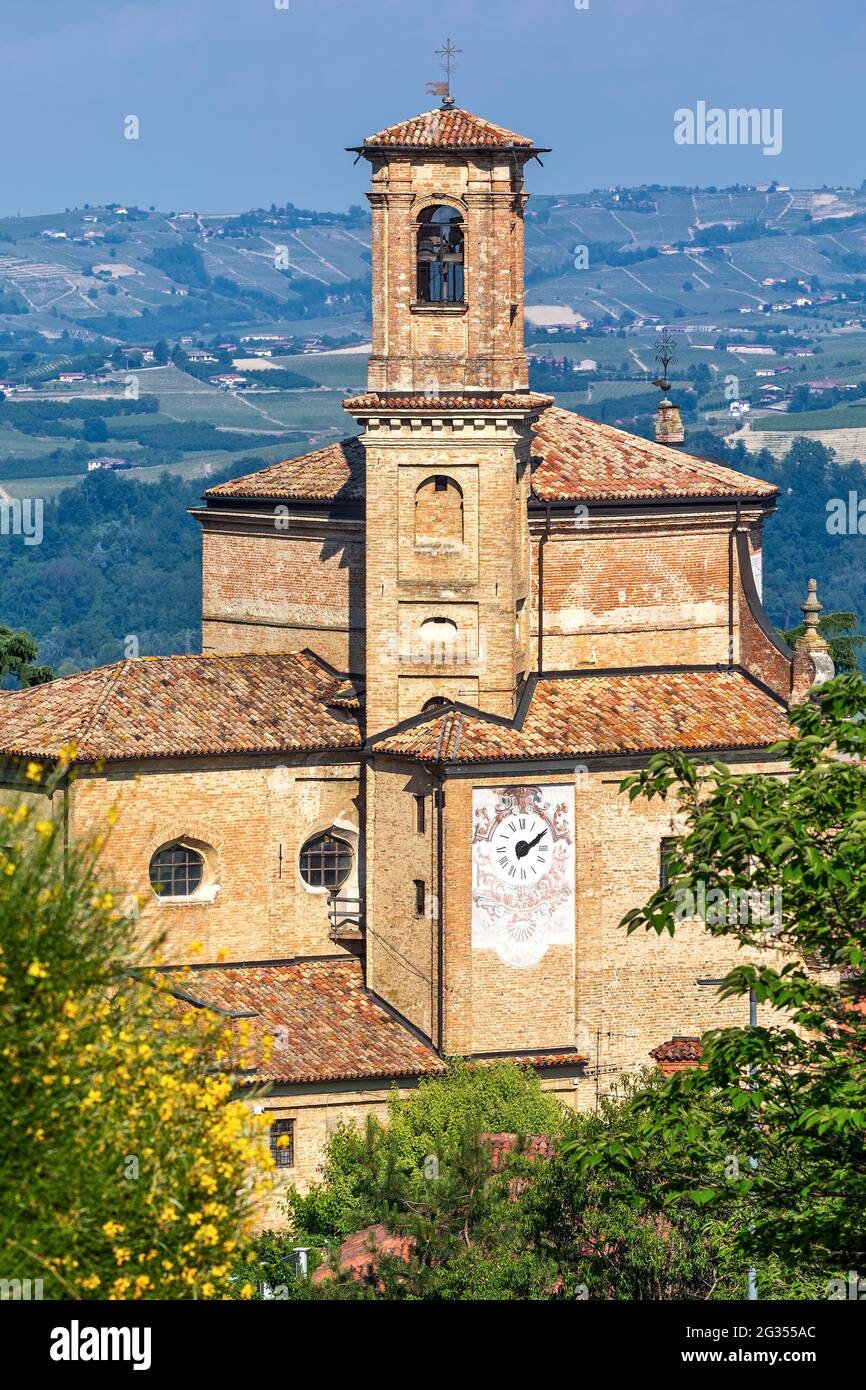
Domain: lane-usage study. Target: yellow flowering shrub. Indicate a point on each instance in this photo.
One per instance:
(128, 1170)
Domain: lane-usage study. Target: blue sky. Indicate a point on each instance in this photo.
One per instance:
(241, 104)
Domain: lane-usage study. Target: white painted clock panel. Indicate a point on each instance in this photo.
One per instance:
(522, 871)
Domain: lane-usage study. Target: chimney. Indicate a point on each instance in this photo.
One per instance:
(812, 664)
(669, 425)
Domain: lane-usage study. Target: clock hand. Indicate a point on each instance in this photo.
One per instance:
(522, 848)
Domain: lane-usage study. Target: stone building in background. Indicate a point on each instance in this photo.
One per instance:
(379, 815)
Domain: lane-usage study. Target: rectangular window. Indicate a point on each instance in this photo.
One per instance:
(420, 814)
(420, 897)
(666, 849)
(282, 1140)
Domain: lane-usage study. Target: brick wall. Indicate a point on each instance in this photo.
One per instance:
(253, 817)
(269, 590)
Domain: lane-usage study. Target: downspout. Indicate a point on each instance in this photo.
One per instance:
(545, 536)
(731, 544)
(439, 777)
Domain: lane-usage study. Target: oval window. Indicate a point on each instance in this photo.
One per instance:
(176, 871)
(326, 861)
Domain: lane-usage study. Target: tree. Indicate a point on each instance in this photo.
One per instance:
(842, 641)
(160, 353)
(776, 865)
(95, 431)
(428, 1128)
(126, 1169)
(18, 653)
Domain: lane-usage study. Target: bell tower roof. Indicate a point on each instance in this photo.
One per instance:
(446, 128)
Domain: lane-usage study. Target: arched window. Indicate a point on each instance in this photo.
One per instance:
(438, 512)
(326, 861)
(435, 702)
(440, 256)
(176, 871)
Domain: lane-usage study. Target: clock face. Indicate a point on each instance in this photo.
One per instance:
(521, 848)
(522, 871)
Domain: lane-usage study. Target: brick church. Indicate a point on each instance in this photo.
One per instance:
(379, 814)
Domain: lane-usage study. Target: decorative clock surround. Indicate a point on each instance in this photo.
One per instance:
(522, 871)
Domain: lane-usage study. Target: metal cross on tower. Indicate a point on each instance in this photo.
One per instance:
(443, 89)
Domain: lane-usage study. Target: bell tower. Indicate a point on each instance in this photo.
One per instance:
(447, 417)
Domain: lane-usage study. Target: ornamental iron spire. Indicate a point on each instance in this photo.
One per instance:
(443, 89)
(669, 426)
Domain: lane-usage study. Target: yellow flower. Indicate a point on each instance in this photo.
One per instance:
(91, 1282)
(34, 772)
(44, 827)
(121, 1254)
(196, 948)
(112, 1229)
(247, 1291)
(37, 970)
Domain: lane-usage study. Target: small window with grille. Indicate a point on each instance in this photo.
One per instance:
(326, 861)
(667, 848)
(420, 897)
(282, 1142)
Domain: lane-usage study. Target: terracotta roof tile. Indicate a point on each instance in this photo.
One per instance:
(335, 472)
(182, 706)
(600, 714)
(446, 129)
(679, 1050)
(574, 459)
(582, 460)
(360, 1253)
(328, 1027)
(503, 400)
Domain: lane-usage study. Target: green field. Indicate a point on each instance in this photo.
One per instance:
(843, 417)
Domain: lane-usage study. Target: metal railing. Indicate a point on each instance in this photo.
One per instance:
(346, 916)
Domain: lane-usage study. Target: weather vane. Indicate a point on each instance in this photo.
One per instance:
(443, 89)
(665, 354)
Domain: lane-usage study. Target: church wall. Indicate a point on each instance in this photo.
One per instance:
(605, 991)
(635, 593)
(252, 816)
(276, 591)
(636, 991)
(401, 942)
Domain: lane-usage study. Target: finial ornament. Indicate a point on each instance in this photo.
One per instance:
(813, 665)
(810, 610)
(443, 89)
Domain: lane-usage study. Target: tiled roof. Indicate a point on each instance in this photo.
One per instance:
(602, 714)
(582, 460)
(324, 1024)
(679, 1050)
(361, 1252)
(181, 706)
(335, 472)
(574, 459)
(504, 400)
(446, 129)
